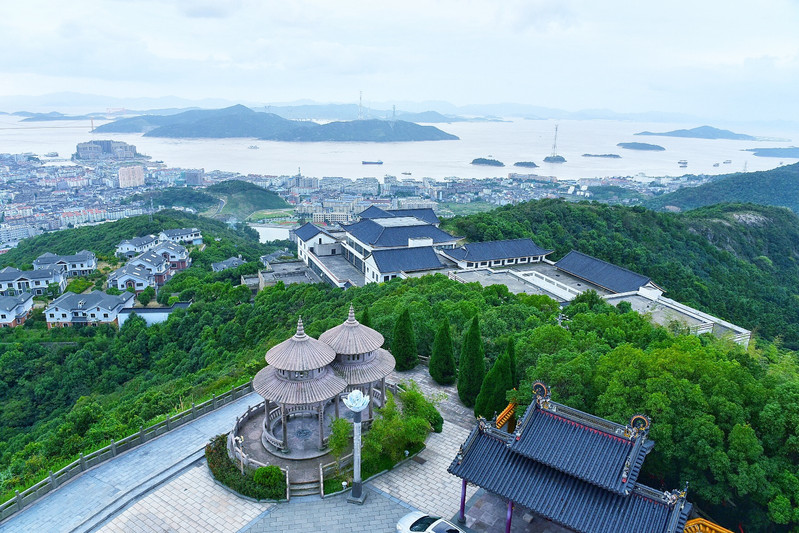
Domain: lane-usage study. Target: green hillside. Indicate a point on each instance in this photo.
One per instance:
(103, 239)
(739, 262)
(243, 198)
(779, 186)
(177, 197)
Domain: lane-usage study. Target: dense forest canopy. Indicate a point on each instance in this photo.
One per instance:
(739, 262)
(779, 186)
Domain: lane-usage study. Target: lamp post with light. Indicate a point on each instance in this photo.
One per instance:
(356, 402)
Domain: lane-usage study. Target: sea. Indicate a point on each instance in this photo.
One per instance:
(508, 141)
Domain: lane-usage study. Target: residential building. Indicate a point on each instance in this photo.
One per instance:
(82, 263)
(156, 264)
(131, 177)
(177, 255)
(105, 150)
(134, 277)
(14, 310)
(135, 246)
(182, 236)
(14, 281)
(231, 262)
(92, 309)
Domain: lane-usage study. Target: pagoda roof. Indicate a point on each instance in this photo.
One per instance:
(300, 352)
(489, 461)
(362, 372)
(590, 448)
(271, 386)
(352, 337)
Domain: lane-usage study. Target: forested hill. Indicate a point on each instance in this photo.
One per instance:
(103, 239)
(737, 261)
(779, 186)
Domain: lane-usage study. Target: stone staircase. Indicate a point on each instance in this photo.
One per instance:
(304, 488)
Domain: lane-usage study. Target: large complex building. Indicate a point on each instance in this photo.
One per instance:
(131, 177)
(400, 243)
(105, 150)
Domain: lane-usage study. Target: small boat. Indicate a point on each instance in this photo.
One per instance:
(715, 164)
(727, 161)
(378, 162)
(51, 154)
(406, 173)
(253, 147)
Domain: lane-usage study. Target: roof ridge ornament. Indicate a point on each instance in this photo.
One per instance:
(351, 317)
(300, 329)
(542, 394)
(638, 425)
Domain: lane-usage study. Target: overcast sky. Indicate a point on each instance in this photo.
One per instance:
(729, 59)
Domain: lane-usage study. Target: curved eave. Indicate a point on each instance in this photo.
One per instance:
(272, 387)
(300, 353)
(360, 373)
(352, 338)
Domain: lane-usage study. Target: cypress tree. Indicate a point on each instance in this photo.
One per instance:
(403, 343)
(472, 367)
(491, 400)
(442, 360)
(365, 320)
(514, 377)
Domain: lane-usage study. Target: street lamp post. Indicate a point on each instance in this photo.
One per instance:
(356, 402)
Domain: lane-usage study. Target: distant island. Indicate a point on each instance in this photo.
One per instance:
(608, 156)
(703, 132)
(54, 115)
(641, 146)
(487, 162)
(241, 121)
(791, 151)
(525, 164)
(554, 159)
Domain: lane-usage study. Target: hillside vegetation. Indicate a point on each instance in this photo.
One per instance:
(720, 415)
(243, 198)
(779, 186)
(737, 261)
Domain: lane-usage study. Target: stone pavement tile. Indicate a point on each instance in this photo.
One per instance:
(190, 502)
(109, 486)
(378, 514)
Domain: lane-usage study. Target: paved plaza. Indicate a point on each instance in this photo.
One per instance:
(165, 486)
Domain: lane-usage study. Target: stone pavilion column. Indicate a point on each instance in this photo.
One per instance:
(285, 428)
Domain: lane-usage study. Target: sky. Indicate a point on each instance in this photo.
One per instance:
(731, 59)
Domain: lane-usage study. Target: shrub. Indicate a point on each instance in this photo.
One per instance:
(414, 403)
(228, 473)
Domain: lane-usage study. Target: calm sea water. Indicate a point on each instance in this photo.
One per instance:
(271, 234)
(519, 140)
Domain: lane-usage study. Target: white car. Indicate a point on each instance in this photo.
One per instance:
(420, 522)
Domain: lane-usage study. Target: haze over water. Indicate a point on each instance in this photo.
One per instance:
(519, 140)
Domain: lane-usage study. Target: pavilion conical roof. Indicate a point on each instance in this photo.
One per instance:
(352, 337)
(300, 352)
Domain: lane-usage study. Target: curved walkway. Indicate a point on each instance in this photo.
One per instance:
(90, 499)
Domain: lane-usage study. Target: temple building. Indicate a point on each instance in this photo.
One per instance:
(573, 468)
(306, 378)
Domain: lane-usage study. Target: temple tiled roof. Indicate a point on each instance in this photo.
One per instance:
(426, 214)
(369, 371)
(601, 273)
(488, 461)
(352, 337)
(570, 441)
(324, 386)
(379, 232)
(300, 352)
(407, 259)
(495, 250)
(307, 231)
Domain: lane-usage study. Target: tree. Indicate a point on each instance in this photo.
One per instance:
(146, 296)
(365, 320)
(403, 343)
(442, 361)
(339, 441)
(472, 365)
(496, 384)
(514, 370)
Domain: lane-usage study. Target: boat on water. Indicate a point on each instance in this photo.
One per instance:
(406, 173)
(51, 154)
(683, 163)
(378, 162)
(727, 161)
(253, 147)
(715, 164)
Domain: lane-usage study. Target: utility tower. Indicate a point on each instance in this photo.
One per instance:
(151, 208)
(555, 142)
(360, 106)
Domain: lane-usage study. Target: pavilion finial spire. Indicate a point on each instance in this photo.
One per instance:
(300, 329)
(351, 318)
